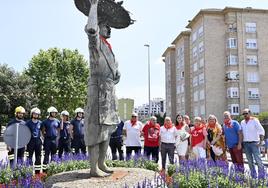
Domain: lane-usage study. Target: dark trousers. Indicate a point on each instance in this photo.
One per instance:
(167, 148)
(237, 156)
(35, 147)
(116, 145)
(64, 145)
(50, 147)
(154, 151)
(79, 144)
(11, 155)
(129, 149)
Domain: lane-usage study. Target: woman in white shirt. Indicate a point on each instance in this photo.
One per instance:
(182, 135)
(167, 140)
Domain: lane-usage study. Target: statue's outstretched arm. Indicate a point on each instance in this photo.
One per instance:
(92, 23)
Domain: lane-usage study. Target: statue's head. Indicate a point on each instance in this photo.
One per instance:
(105, 29)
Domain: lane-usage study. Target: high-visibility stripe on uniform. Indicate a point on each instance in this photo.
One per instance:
(42, 153)
(26, 154)
(73, 150)
(44, 166)
(37, 167)
(11, 156)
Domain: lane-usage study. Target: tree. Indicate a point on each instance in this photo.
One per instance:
(60, 79)
(15, 90)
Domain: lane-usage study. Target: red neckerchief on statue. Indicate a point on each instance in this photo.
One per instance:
(133, 122)
(168, 125)
(228, 123)
(106, 42)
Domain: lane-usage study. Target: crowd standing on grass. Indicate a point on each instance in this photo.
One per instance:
(205, 138)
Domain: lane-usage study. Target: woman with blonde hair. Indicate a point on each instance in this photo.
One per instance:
(215, 140)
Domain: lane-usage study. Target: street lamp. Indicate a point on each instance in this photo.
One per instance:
(149, 84)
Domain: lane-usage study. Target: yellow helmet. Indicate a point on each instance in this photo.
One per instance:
(19, 109)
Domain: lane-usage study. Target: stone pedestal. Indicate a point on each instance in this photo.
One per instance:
(82, 179)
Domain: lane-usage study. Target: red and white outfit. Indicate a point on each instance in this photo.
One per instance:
(198, 135)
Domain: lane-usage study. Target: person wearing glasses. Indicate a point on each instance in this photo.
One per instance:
(233, 139)
(253, 137)
(133, 131)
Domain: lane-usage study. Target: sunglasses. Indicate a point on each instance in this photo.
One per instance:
(133, 116)
(245, 114)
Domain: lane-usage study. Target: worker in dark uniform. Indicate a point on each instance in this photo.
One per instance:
(35, 144)
(65, 139)
(50, 128)
(77, 132)
(19, 116)
(116, 142)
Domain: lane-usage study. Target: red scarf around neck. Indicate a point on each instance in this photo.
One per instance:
(212, 126)
(228, 123)
(133, 122)
(179, 125)
(106, 42)
(168, 125)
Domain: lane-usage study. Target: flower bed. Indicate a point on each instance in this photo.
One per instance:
(192, 173)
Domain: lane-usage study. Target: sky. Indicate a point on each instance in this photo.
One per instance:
(26, 26)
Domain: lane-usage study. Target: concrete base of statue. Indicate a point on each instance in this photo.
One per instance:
(81, 179)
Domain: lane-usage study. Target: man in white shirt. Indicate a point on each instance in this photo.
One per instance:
(253, 136)
(132, 129)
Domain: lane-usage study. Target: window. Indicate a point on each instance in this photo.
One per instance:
(251, 27)
(252, 60)
(182, 100)
(232, 27)
(232, 60)
(232, 43)
(194, 36)
(232, 75)
(178, 89)
(255, 109)
(253, 93)
(195, 96)
(251, 44)
(234, 109)
(196, 111)
(194, 52)
(200, 31)
(233, 92)
(201, 78)
(182, 88)
(201, 95)
(253, 77)
(201, 62)
(195, 81)
(202, 109)
(182, 74)
(195, 67)
(201, 47)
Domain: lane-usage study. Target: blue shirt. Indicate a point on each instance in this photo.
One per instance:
(64, 133)
(34, 128)
(78, 127)
(117, 134)
(20, 122)
(50, 127)
(231, 134)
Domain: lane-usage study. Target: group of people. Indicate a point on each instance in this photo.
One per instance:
(202, 139)
(52, 134)
(206, 139)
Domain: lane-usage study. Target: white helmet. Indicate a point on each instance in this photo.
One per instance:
(79, 110)
(52, 109)
(64, 113)
(36, 111)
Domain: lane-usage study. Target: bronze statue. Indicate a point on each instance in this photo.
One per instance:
(101, 116)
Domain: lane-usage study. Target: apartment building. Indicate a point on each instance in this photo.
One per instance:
(170, 72)
(228, 60)
(125, 108)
